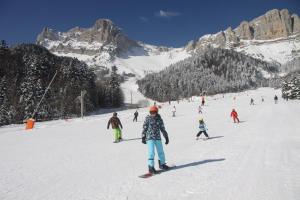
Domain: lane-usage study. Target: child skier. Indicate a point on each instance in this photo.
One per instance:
(115, 125)
(151, 136)
(234, 115)
(203, 129)
(200, 109)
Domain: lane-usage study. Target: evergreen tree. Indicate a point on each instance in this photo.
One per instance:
(114, 90)
(4, 118)
(3, 44)
(291, 88)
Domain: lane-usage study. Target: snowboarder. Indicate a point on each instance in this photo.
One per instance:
(202, 101)
(200, 109)
(275, 99)
(252, 101)
(174, 111)
(136, 114)
(234, 115)
(115, 125)
(203, 129)
(152, 127)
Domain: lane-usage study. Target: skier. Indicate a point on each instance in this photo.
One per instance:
(202, 101)
(174, 111)
(115, 125)
(203, 129)
(234, 115)
(200, 109)
(275, 99)
(136, 114)
(151, 136)
(262, 99)
(252, 101)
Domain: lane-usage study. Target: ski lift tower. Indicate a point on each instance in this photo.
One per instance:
(82, 93)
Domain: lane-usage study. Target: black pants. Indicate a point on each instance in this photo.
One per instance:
(135, 118)
(200, 132)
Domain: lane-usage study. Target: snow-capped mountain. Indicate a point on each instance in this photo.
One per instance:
(273, 37)
(104, 44)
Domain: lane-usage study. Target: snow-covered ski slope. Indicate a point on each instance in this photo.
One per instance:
(76, 159)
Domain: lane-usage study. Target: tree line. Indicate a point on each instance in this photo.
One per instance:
(25, 72)
(213, 71)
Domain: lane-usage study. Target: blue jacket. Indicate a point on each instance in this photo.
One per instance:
(152, 127)
(202, 127)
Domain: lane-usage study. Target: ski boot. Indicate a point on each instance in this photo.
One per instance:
(152, 170)
(163, 166)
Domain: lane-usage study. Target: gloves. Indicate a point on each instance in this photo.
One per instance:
(167, 140)
(144, 140)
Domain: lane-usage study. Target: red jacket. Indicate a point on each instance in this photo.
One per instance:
(234, 114)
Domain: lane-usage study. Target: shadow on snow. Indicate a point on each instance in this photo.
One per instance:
(197, 163)
(215, 137)
(132, 139)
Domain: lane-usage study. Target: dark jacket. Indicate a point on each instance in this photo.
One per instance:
(152, 127)
(115, 122)
(136, 114)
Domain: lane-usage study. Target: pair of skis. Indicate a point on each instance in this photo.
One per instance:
(148, 175)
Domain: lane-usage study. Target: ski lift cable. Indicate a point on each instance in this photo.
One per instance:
(37, 107)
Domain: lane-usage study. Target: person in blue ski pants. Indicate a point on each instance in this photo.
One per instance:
(152, 127)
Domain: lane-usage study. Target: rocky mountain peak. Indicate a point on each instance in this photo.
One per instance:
(47, 33)
(104, 23)
(104, 34)
(274, 24)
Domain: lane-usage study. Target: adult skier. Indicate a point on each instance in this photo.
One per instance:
(115, 125)
(152, 127)
(202, 101)
(276, 99)
(174, 111)
(252, 101)
(234, 115)
(203, 129)
(136, 114)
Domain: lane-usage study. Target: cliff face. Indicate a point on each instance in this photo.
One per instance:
(103, 35)
(274, 24)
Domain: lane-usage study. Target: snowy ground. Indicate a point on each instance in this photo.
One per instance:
(76, 159)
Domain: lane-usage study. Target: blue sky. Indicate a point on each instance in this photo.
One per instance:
(159, 22)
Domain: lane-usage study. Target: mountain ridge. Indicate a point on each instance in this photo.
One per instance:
(106, 41)
(274, 37)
